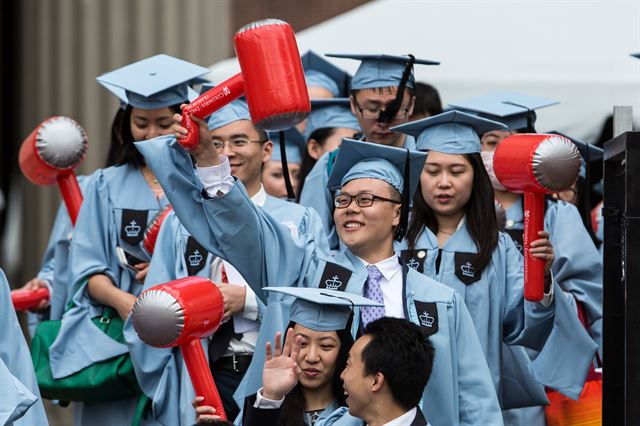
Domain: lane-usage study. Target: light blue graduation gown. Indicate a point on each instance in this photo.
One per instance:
(577, 269)
(54, 267)
(115, 212)
(20, 402)
(316, 195)
(460, 390)
(496, 302)
(161, 372)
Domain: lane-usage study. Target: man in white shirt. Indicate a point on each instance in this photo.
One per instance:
(387, 370)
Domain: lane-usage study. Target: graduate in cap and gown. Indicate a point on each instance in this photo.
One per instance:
(119, 203)
(368, 213)
(329, 122)
(273, 171)
(381, 96)
(318, 340)
(178, 254)
(321, 320)
(577, 267)
(20, 402)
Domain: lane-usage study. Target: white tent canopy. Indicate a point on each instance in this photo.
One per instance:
(574, 51)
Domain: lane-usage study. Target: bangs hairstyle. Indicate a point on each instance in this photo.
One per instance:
(480, 215)
(387, 90)
(122, 150)
(293, 407)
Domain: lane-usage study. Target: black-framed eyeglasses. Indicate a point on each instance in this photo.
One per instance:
(364, 199)
(234, 143)
(374, 113)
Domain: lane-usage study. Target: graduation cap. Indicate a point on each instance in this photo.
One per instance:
(399, 167)
(452, 132)
(326, 113)
(385, 71)
(516, 110)
(233, 111)
(319, 72)
(321, 309)
(382, 70)
(155, 82)
(588, 151)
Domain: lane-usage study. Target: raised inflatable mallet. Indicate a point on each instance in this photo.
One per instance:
(50, 154)
(180, 313)
(271, 78)
(535, 164)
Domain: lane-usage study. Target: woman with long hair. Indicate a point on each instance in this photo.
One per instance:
(108, 264)
(453, 237)
(321, 322)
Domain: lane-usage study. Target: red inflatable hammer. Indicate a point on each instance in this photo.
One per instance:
(180, 313)
(153, 229)
(27, 299)
(50, 154)
(535, 164)
(271, 78)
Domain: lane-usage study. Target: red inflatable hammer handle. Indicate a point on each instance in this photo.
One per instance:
(271, 78)
(71, 194)
(535, 164)
(27, 299)
(180, 313)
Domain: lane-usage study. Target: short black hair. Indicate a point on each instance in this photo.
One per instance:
(427, 100)
(400, 351)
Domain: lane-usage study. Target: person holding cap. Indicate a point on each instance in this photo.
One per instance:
(178, 254)
(376, 183)
(119, 203)
(454, 238)
(381, 96)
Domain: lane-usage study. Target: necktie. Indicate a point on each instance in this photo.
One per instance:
(223, 335)
(372, 291)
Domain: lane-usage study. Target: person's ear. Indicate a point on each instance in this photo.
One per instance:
(267, 151)
(314, 149)
(397, 208)
(378, 382)
(352, 103)
(412, 104)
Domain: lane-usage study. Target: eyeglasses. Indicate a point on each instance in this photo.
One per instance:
(374, 113)
(364, 199)
(234, 143)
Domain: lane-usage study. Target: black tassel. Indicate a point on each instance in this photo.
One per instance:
(401, 230)
(392, 109)
(285, 168)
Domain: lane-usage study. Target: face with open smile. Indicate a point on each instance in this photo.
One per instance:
(246, 162)
(317, 358)
(366, 230)
(447, 182)
(356, 384)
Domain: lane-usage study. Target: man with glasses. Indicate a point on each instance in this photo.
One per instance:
(381, 97)
(216, 206)
(178, 254)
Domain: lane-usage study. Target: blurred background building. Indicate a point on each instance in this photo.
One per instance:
(53, 50)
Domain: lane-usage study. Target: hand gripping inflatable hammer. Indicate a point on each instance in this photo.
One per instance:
(27, 299)
(50, 154)
(180, 313)
(271, 78)
(535, 164)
